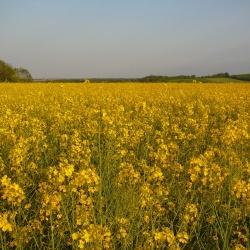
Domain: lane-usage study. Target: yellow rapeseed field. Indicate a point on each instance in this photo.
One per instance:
(124, 166)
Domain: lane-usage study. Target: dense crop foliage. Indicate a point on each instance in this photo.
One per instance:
(124, 166)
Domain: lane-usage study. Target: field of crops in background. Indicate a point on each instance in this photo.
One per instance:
(124, 166)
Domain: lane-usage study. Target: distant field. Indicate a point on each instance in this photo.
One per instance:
(221, 80)
(125, 166)
(209, 80)
(243, 77)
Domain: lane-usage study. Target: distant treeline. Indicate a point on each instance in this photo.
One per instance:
(157, 78)
(182, 78)
(151, 78)
(10, 74)
(242, 77)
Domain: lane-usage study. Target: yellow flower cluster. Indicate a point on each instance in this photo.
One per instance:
(5, 224)
(11, 191)
(124, 166)
(98, 235)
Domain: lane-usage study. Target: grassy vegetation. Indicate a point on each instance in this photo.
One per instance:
(220, 80)
(243, 77)
(124, 166)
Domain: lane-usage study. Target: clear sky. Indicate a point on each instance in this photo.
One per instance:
(125, 38)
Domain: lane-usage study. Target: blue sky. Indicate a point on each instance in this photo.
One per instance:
(125, 38)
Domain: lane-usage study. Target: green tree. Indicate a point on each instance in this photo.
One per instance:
(24, 75)
(7, 73)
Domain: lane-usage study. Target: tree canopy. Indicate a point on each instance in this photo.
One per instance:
(10, 74)
(23, 74)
